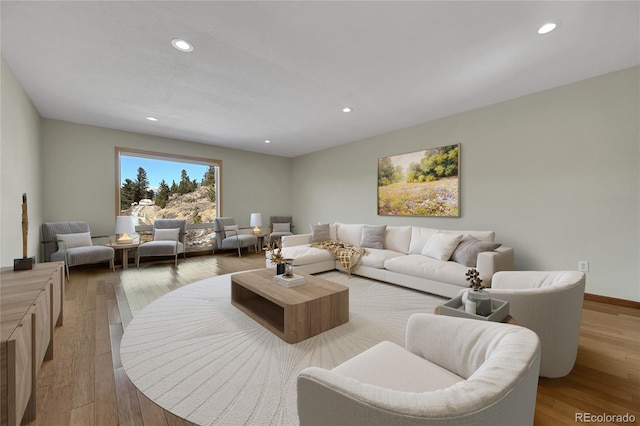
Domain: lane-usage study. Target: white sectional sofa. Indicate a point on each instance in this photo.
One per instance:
(405, 255)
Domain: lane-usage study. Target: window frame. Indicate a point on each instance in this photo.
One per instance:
(119, 151)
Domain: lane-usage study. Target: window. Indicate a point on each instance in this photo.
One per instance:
(164, 186)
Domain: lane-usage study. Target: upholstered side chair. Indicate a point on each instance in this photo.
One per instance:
(279, 226)
(169, 239)
(453, 371)
(549, 303)
(229, 236)
(71, 242)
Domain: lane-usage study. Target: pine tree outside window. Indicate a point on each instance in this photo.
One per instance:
(154, 185)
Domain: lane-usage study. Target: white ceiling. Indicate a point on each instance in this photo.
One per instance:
(284, 70)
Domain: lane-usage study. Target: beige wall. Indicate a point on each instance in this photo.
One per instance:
(79, 173)
(20, 153)
(555, 174)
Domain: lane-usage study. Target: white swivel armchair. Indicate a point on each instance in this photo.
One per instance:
(454, 371)
(549, 303)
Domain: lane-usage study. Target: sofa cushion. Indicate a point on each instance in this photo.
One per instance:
(420, 266)
(373, 236)
(467, 251)
(441, 246)
(333, 231)
(419, 238)
(161, 247)
(170, 234)
(243, 240)
(230, 231)
(282, 227)
(84, 255)
(398, 238)
(350, 234)
(80, 239)
(414, 373)
(320, 232)
(375, 258)
(479, 235)
(305, 254)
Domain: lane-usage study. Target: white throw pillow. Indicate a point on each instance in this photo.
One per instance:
(231, 230)
(333, 231)
(441, 246)
(166, 234)
(349, 233)
(419, 238)
(81, 239)
(281, 227)
(398, 238)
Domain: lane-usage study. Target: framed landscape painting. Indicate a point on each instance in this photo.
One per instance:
(421, 183)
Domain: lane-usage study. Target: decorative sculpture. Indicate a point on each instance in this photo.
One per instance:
(25, 263)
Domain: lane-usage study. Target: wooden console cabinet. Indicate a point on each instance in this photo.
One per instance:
(31, 304)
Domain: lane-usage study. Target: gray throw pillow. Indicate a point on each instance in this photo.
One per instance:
(373, 236)
(320, 233)
(467, 251)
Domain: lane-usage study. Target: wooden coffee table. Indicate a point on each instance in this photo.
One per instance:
(293, 314)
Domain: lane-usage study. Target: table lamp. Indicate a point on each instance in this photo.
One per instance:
(125, 225)
(256, 222)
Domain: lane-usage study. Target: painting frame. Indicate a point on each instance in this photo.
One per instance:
(423, 183)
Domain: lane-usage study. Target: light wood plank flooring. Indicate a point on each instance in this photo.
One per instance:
(85, 383)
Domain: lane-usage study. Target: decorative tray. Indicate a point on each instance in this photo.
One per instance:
(454, 308)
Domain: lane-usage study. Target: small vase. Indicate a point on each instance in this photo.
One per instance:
(482, 299)
(288, 268)
(279, 268)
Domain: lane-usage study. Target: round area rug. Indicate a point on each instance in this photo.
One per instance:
(199, 357)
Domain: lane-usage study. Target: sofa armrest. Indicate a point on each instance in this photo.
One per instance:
(553, 311)
(296, 240)
(429, 337)
(490, 262)
(325, 398)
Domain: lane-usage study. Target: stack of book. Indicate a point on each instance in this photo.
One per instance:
(289, 281)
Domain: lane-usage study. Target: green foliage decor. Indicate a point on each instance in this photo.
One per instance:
(437, 163)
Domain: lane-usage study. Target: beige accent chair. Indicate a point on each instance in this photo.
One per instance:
(72, 243)
(549, 303)
(279, 226)
(169, 239)
(454, 371)
(229, 235)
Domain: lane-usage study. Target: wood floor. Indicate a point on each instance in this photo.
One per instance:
(85, 383)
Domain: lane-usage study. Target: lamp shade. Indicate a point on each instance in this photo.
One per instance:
(125, 225)
(256, 221)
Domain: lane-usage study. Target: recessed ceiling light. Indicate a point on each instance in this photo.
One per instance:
(151, 118)
(182, 45)
(267, 141)
(346, 109)
(548, 27)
